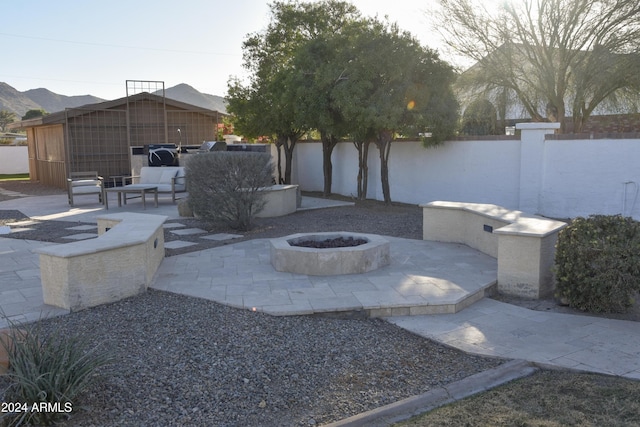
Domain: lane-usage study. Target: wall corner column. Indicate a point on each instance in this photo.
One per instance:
(532, 141)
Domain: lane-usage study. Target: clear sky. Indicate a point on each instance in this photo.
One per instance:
(79, 47)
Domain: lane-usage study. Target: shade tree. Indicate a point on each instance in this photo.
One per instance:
(396, 88)
(271, 99)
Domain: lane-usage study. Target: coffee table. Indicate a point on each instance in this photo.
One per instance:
(122, 192)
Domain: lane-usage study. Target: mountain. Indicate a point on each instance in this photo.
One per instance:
(52, 102)
(34, 99)
(15, 101)
(185, 93)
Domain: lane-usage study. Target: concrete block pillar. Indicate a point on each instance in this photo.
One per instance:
(532, 142)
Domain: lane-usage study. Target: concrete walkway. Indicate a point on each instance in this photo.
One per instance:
(495, 328)
(240, 275)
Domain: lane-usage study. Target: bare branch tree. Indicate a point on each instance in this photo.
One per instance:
(559, 57)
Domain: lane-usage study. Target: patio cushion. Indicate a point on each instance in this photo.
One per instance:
(150, 175)
(86, 182)
(87, 189)
(167, 175)
(163, 178)
(181, 182)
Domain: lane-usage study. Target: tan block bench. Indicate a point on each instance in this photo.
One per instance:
(523, 244)
(279, 200)
(119, 263)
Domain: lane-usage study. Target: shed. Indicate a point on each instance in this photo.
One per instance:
(101, 137)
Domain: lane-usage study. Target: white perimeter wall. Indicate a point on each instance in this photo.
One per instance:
(14, 159)
(583, 177)
(556, 178)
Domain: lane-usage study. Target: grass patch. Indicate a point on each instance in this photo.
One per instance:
(14, 177)
(547, 398)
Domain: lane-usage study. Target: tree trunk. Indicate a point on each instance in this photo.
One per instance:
(556, 112)
(288, 142)
(278, 145)
(329, 141)
(384, 147)
(363, 168)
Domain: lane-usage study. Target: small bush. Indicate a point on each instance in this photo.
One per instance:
(225, 186)
(480, 118)
(47, 369)
(597, 263)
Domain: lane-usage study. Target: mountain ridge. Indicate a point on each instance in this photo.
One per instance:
(19, 103)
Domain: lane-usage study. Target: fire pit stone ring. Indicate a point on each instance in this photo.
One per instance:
(287, 257)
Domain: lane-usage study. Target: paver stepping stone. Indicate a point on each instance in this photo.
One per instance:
(173, 225)
(188, 231)
(177, 244)
(221, 236)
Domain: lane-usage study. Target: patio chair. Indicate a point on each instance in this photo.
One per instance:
(82, 183)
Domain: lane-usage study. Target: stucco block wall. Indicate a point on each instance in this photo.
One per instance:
(119, 263)
(279, 200)
(523, 261)
(459, 226)
(86, 281)
(14, 159)
(524, 245)
(539, 173)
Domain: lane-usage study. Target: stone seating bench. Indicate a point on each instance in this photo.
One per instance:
(119, 263)
(524, 245)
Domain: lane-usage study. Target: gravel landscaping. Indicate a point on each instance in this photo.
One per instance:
(187, 361)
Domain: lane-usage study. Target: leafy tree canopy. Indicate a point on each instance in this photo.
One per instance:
(32, 114)
(266, 105)
(6, 117)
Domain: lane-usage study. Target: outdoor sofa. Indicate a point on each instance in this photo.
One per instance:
(168, 179)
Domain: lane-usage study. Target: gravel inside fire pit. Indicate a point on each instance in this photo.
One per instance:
(338, 242)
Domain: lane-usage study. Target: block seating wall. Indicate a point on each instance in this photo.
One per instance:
(119, 263)
(83, 183)
(168, 179)
(279, 200)
(523, 244)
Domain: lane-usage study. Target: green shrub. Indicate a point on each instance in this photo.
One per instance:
(480, 118)
(47, 369)
(597, 263)
(225, 186)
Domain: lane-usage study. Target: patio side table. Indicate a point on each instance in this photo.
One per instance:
(133, 188)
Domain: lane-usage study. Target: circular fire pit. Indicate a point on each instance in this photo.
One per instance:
(287, 256)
